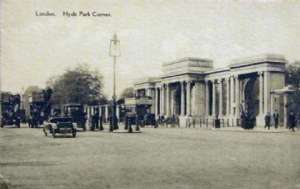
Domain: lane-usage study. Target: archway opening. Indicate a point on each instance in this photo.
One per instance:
(251, 96)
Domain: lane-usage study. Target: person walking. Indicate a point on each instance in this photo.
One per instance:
(292, 121)
(96, 120)
(276, 119)
(189, 121)
(267, 121)
(177, 121)
(101, 123)
(92, 121)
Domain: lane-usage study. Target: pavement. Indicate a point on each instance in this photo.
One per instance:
(4, 184)
(164, 158)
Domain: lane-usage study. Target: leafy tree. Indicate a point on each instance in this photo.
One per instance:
(78, 85)
(293, 74)
(293, 78)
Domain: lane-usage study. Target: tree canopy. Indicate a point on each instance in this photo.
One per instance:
(78, 85)
(293, 74)
(293, 78)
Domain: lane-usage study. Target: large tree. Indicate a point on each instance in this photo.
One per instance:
(293, 78)
(293, 74)
(78, 85)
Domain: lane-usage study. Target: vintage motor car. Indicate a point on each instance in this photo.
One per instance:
(60, 125)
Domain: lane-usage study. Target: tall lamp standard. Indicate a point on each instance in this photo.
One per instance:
(114, 51)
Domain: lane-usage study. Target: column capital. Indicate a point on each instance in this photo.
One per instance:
(219, 81)
(214, 81)
(260, 73)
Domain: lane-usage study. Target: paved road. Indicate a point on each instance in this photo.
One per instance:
(156, 158)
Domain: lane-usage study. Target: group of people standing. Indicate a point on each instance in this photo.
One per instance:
(274, 120)
(96, 121)
(36, 118)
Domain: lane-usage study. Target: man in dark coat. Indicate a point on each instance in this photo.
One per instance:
(267, 121)
(96, 120)
(292, 121)
(276, 119)
(101, 123)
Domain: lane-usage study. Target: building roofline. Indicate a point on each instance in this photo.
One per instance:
(187, 59)
(262, 58)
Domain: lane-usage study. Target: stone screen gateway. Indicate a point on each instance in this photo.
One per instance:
(191, 86)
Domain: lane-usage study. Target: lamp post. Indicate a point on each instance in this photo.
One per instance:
(114, 51)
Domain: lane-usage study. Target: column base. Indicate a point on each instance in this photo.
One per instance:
(183, 121)
(260, 121)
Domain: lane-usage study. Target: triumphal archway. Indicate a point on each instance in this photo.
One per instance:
(191, 86)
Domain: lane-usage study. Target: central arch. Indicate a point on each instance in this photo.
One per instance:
(251, 95)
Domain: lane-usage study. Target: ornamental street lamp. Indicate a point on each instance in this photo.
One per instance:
(114, 51)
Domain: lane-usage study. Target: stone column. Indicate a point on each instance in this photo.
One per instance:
(221, 98)
(118, 111)
(231, 95)
(106, 112)
(237, 96)
(188, 97)
(227, 97)
(213, 98)
(267, 92)
(167, 100)
(100, 110)
(156, 102)
(285, 114)
(182, 103)
(162, 96)
(206, 98)
(148, 91)
(261, 100)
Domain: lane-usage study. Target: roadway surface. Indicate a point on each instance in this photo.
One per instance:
(156, 158)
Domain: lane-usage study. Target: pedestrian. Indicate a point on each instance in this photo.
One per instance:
(189, 121)
(42, 117)
(96, 120)
(292, 121)
(243, 119)
(276, 119)
(217, 122)
(29, 121)
(267, 121)
(173, 120)
(101, 123)
(138, 123)
(177, 121)
(92, 121)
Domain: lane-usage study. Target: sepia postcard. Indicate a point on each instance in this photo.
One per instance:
(149, 94)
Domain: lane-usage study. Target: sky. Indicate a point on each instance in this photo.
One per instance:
(36, 48)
